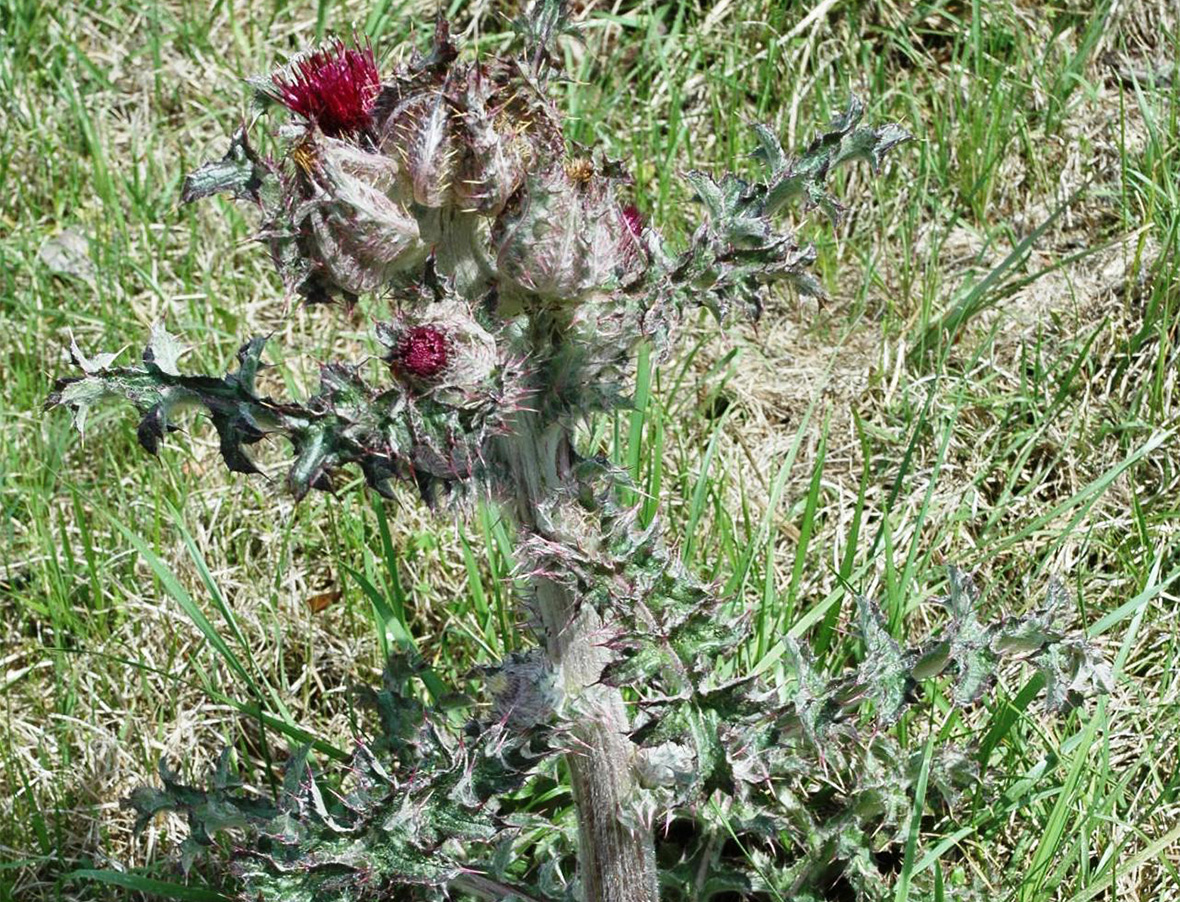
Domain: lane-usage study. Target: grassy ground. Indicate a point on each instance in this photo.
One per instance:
(993, 383)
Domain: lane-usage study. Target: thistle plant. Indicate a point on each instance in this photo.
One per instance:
(520, 283)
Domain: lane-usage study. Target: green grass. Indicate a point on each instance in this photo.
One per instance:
(992, 383)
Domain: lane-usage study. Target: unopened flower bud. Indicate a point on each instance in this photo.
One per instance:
(356, 236)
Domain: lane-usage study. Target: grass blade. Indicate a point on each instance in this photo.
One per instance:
(149, 885)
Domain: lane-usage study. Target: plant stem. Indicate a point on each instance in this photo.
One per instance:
(616, 863)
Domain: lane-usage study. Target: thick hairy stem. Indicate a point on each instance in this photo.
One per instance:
(616, 863)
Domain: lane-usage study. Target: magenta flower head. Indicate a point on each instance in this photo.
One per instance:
(443, 352)
(334, 86)
(423, 351)
(634, 219)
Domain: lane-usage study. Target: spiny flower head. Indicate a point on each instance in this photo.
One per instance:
(424, 351)
(634, 219)
(334, 86)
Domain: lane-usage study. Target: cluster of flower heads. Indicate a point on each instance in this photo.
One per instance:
(461, 162)
(448, 188)
(519, 279)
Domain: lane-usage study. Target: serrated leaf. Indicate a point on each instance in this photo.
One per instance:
(842, 142)
(970, 641)
(885, 670)
(163, 351)
(241, 172)
(1073, 670)
(738, 251)
(810, 693)
(770, 149)
(91, 365)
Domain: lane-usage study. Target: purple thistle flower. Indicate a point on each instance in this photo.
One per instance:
(423, 352)
(634, 219)
(334, 86)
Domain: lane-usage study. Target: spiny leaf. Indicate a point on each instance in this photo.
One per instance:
(539, 29)
(88, 365)
(442, 436)
(739, 251)
(163, 351)
(1073, 670)
(844, 141)
(885, 670)
(970, 641)
(411, 793)
(219, 807)
(241, 172)
(811, 697)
